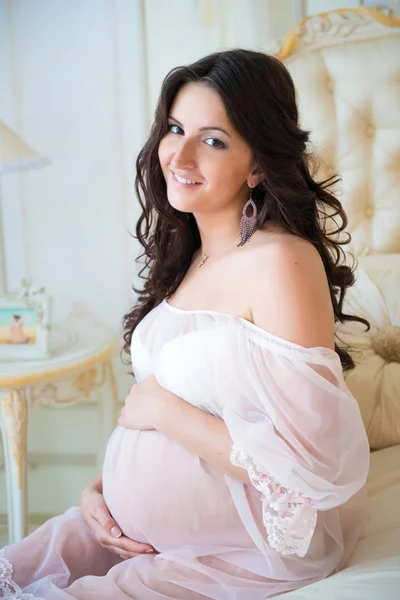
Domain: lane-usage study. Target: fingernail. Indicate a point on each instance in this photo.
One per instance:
(149, 550)
(116, 532)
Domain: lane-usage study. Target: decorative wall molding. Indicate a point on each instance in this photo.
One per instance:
(34, 519)
(36, 459)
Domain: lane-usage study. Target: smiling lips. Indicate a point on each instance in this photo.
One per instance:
(184, 182)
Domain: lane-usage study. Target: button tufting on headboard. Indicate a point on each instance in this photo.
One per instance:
(356, 129)
(369, 211)
(369, 131)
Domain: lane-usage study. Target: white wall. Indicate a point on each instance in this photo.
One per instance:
(72, 87)
(79, 82)
(191, 29)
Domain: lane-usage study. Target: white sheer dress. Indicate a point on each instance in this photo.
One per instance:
(295, 427)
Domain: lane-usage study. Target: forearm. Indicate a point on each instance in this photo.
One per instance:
(201, 433)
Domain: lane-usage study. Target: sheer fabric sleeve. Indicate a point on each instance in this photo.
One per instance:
(295, 428)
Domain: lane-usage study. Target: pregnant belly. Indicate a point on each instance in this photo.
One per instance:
(162, 494)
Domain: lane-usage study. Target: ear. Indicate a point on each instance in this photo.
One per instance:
(255, 177)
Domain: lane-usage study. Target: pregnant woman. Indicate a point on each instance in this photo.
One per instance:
(238, 465)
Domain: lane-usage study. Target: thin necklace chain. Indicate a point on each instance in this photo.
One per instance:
(196, 277)
(206, 256)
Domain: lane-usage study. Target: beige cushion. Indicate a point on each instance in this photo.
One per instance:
(375, 381)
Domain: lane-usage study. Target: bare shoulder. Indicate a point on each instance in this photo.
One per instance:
(288, 290)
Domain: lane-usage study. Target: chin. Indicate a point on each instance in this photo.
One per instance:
(181, 206)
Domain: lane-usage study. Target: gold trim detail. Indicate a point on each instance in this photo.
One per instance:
(290, 42)
(57, 373)
(86, 382)
(14, 410)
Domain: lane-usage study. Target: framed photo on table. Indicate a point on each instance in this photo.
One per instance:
(25, 319)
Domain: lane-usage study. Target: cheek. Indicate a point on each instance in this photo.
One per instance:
(161, 153)
(165, 150)
(165, 153)
(223, 172)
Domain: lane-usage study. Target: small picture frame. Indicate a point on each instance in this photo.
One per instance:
(25, 323)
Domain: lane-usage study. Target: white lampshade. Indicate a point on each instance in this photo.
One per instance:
(15, 154)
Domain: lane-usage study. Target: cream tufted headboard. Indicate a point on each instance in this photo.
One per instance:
(346, 67)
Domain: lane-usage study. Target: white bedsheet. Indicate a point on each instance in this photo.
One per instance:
(373, 572)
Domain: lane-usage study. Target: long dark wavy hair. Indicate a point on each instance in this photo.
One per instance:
(260, 100)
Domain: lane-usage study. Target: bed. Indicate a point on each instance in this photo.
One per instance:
(346, 67)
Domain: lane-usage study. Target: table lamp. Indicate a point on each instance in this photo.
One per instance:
(15, 155)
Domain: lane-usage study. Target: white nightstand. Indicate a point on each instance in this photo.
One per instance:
(81, 359)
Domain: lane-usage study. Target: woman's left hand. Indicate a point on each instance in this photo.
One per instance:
(144, 405)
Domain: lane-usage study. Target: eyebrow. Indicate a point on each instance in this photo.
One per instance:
(202, 128)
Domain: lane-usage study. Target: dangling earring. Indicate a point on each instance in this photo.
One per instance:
(248, 225)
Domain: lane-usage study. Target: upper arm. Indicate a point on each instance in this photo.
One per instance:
(290, 293)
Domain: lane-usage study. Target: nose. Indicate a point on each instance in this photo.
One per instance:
(184, 156)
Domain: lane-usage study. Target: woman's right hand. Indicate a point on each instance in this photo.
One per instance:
(104, 528)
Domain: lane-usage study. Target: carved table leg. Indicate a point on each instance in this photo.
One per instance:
(13, 422)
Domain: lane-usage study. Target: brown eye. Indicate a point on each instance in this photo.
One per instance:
(220, 144)
(173, 125)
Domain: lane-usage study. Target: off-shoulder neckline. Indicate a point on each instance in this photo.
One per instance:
(255, 328)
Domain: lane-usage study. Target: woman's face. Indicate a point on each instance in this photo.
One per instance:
(202, 146)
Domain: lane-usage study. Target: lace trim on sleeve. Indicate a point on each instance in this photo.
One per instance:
(288, 516)
(8, 588)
